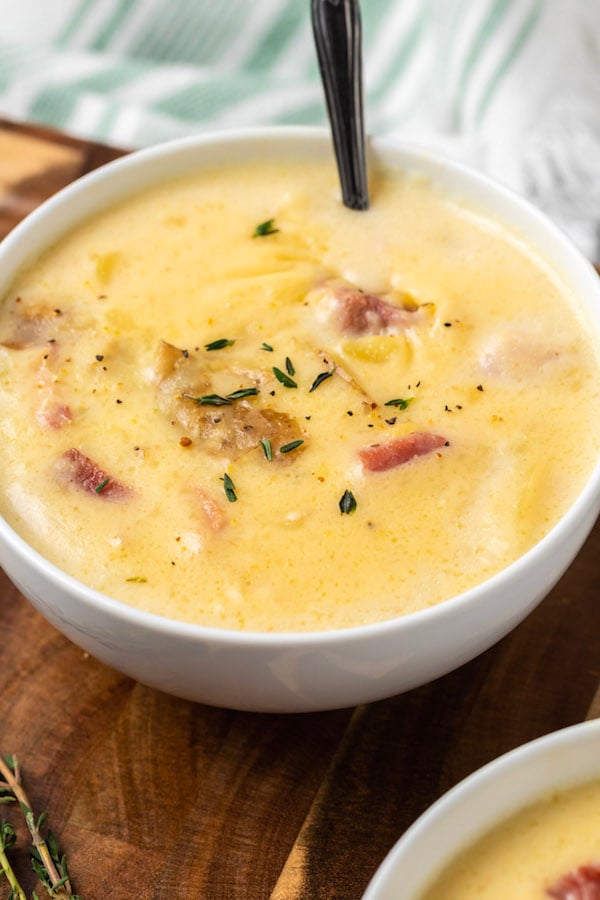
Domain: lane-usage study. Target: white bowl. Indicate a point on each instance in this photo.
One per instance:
(309, 671)
(491, 795)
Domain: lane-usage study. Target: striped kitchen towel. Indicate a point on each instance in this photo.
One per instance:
(510, 86)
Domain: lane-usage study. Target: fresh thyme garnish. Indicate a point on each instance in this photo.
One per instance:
(400, 403)
(320, 379)
(266, 347)
(49, 863)
(347, 503)
(137, 579)
(289, 366)
(267, 449)
(287, 448)
(265, 228)
(209, 400)
(218, 400)
(229, 488)
(243, 392)
(101, 486)
(219, 344)
(285, 380)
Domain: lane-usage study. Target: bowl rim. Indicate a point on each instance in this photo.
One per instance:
(460, 174)
(466, 791)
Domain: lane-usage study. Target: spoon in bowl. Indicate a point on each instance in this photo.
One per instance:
(337, 33)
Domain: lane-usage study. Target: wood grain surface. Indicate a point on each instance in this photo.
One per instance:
(154, 797)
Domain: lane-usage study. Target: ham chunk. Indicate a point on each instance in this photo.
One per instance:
(73, 467)
(358, 313)
(381, 457)
(230, 429)
(518, 355)
(31, 326)
(52, 414)
(213, 512)
(581, 884)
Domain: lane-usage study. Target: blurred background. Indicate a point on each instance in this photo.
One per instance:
(509, 86)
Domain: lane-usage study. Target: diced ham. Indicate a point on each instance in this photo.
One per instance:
(517, 355)
(381, 457)
(213, 511)
(54, 415)
(75, 468)
(580, 884)
(31, 327)
(358, 313)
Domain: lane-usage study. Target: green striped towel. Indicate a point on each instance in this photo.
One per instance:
(510, 86)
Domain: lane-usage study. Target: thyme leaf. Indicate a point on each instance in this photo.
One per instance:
(243, 392)
(267, 448)
(400, 403)
(266, 347)
(219, 344)
(229, 488)
(289, 366)
(320, 379)
(285, 380)
(265, 229)
(347, 503)
(287, 448)
(218, 400)
(209, 400)
(101, 486)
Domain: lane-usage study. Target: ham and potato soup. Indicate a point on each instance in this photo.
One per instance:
(234, 402)
(549, 850)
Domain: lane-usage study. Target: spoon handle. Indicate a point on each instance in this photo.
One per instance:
(337, 32)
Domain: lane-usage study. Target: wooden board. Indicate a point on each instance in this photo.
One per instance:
(155, 797)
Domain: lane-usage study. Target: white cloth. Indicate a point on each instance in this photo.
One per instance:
(509, 86)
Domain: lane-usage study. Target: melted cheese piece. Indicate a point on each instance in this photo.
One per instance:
(461, 319)
(529, 854)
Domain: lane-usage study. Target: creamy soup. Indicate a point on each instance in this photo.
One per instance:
(232, 401)
(550, 850)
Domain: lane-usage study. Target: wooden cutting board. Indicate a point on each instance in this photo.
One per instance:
(155, 797)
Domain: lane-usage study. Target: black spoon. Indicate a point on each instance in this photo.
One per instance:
(337, 32)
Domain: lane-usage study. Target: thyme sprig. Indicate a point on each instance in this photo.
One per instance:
(8, 839)
(49, 864)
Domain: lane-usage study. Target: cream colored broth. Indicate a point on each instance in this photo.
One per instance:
(490, 354)
(530, 856)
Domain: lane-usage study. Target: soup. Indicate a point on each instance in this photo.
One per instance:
(231, 401)
(549, 850)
